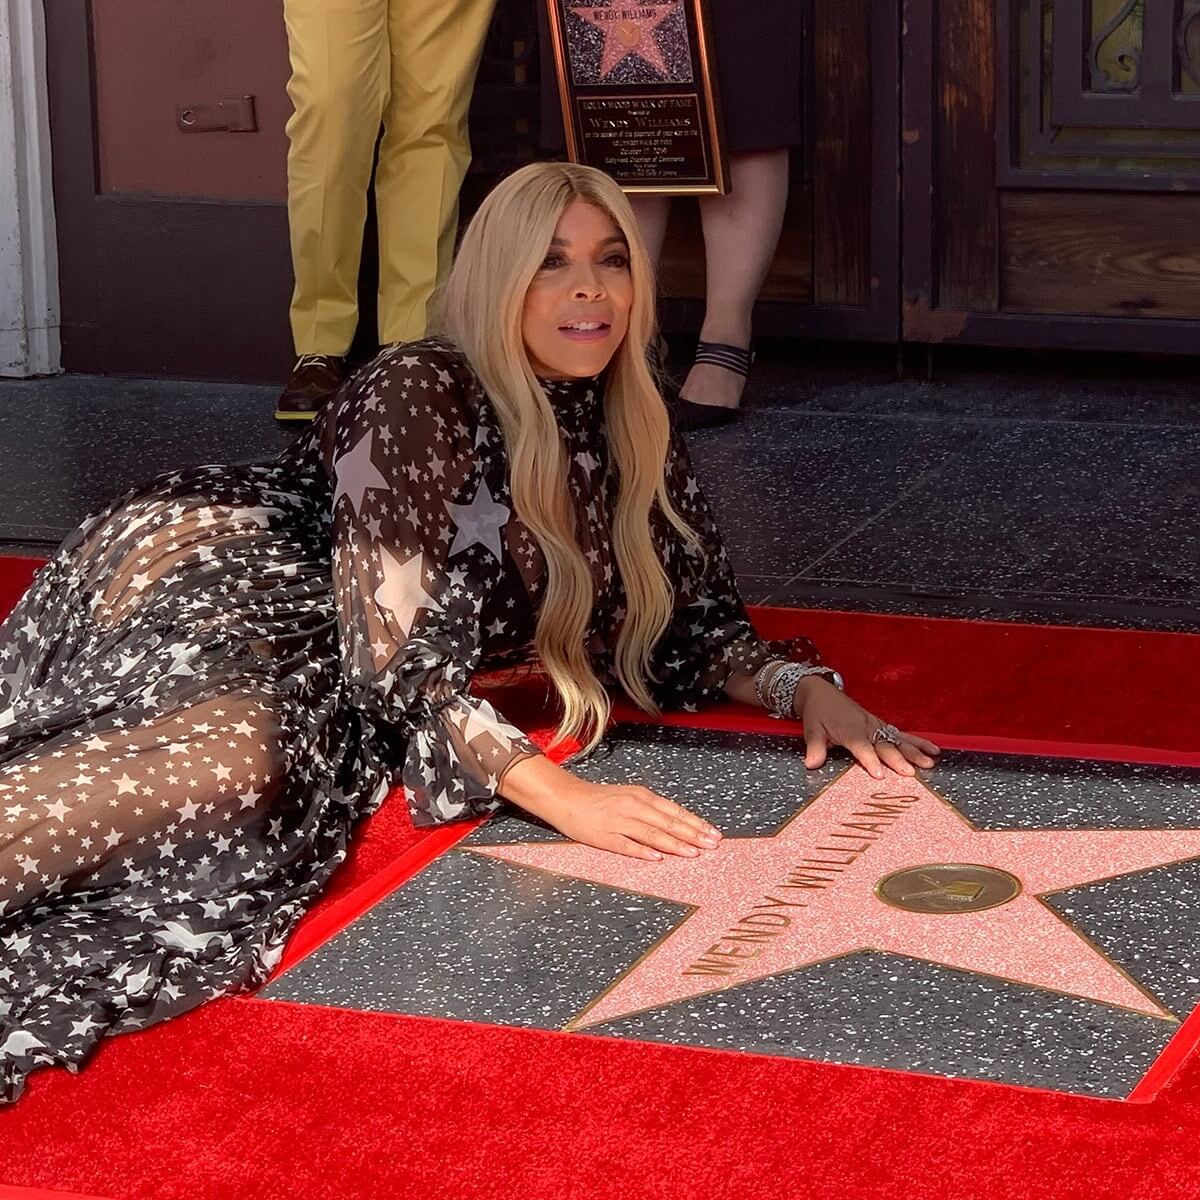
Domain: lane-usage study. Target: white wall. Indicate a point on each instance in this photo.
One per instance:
(29, 310)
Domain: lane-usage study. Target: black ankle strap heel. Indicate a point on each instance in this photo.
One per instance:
(691, 415)
(732, 358)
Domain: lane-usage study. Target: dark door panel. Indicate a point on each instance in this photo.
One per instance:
(173, 254)
(1051, 163)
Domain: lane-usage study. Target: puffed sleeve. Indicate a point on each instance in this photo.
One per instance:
(710, 636)
(417, 543)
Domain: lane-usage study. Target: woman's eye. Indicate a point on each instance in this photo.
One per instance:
(551, 260)
(617, 260)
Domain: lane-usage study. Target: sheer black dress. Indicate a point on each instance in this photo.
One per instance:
(217, 675)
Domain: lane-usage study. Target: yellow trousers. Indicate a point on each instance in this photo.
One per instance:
(410, 65)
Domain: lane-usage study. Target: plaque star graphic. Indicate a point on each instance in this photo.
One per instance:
(480, 521)
(762, 906)
(628, 29)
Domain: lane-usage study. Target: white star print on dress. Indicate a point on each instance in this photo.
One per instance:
(221, 672)
(479, 522)
(402, 591)
(357, 474)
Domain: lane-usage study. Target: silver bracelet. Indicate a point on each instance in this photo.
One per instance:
(781, 694)
(763, 677)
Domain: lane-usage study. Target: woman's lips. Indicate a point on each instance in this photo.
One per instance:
(585, 335)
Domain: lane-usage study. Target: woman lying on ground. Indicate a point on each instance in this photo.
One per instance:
(218, 675)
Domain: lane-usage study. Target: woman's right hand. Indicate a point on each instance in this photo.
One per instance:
(621, 817)
(632, 820)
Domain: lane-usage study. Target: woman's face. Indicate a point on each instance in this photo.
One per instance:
(577, 307)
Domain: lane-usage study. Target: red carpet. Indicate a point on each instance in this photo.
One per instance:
(253, 1098)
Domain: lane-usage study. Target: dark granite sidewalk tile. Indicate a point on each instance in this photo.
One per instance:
(787, 487)
(1094, 512)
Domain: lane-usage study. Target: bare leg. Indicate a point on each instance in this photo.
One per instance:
(652, 213)
(741, 233)
(167, 812)
(120, 797)
(140, 804)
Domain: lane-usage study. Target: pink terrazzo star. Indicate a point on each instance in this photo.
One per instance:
(766, 905)
(628, 29)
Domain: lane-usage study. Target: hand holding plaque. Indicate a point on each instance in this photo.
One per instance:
(638, 93)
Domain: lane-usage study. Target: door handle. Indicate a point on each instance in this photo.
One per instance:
(232, 114)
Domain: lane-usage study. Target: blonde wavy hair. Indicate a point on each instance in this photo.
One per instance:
(480, 307)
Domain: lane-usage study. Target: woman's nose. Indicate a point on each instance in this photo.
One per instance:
(587, 284)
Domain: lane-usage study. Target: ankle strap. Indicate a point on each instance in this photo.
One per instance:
(719, 354)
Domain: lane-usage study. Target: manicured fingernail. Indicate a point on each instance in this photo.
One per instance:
(709, 839)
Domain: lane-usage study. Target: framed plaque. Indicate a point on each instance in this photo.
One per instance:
(639, 93)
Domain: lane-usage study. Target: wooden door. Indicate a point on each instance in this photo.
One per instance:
(173, 244)
(1051, 167)
(1013, 172)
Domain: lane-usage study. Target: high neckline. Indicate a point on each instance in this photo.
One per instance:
(573, 391)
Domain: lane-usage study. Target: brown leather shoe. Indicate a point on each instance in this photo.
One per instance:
(314, 378)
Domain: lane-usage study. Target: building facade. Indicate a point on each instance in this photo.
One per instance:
(1004, 172)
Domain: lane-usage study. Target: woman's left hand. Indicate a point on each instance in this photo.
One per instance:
(833, 719)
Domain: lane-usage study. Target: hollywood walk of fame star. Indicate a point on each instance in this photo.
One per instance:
(628, 29)
(766, 905)
(402, 591)
(479, 522)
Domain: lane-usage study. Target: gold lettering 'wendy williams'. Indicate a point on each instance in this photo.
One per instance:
(769, 919)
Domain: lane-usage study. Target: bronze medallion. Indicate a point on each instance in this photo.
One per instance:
(629, 33)
(948, 888)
